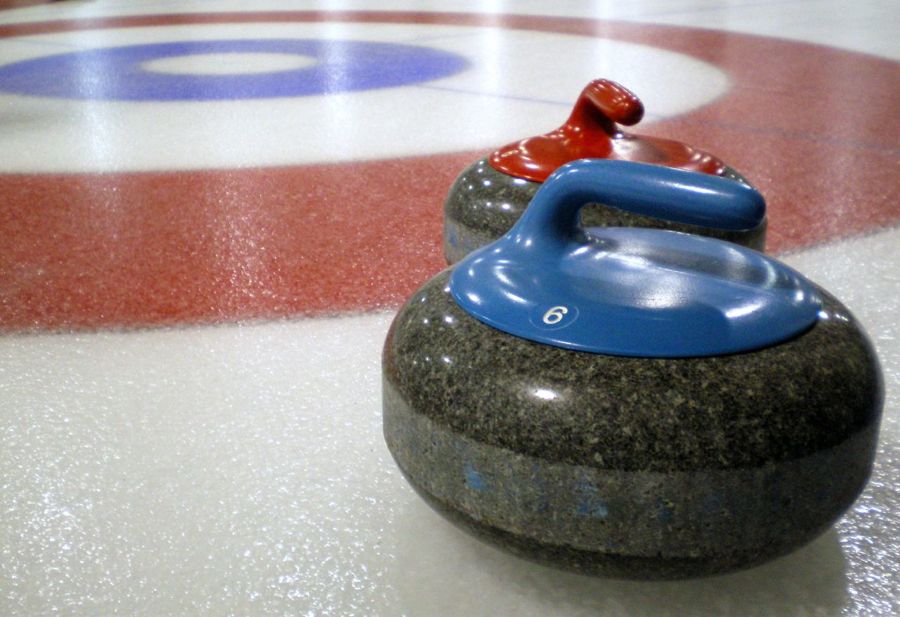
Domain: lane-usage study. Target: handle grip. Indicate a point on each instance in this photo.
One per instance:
(593, 130)
(651, 190)
(603, 102)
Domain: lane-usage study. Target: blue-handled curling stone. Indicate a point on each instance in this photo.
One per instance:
(632, 402)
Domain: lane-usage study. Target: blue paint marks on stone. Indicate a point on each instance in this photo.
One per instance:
(589, 501)
(712, 503)
(116, 73)
(665, 513)
(474, 479)
(540, 490)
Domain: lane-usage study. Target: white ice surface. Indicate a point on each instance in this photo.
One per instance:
(241, 470)
(512, 85)
(869, 26)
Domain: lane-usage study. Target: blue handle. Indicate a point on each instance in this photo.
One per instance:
(633, 291)
(651, 190)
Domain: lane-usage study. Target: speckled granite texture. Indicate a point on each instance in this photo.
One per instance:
(483, 204)
(633, 467)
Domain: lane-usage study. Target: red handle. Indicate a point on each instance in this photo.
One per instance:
(603, 101)
(592, 132)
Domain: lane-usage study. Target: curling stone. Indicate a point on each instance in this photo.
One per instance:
(488, 197)
(632, 402)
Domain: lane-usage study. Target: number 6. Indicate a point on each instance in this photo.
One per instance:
(555, 315)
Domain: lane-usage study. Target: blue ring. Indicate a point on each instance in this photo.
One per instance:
(115, 73)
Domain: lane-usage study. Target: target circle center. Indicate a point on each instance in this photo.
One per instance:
(229, 63)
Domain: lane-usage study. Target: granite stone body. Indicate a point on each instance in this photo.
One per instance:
(483, 204)
(630, 467)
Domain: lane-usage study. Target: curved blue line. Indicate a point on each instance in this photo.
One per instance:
(115, 73)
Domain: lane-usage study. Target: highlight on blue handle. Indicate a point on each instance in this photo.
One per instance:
(651, 190)
(633, 291)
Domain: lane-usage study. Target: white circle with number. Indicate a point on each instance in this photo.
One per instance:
(554, 316)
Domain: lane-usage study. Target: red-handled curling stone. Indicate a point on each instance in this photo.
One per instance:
(490, 195)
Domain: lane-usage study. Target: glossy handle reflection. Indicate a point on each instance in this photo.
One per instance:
(602, 104)
(651, 190)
